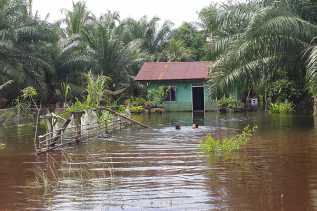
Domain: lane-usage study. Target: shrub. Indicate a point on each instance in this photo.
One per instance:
(227, 102)
(136, 109)
(26, 101)
(29, 92)
(105, 118)
(157, 95)
(281, 108)
(211, 144)
(137, 101)
(78, 106)
(120, 108)
(282, 90)
(95, 88)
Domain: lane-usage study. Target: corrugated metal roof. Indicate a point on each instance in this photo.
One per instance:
(155, 71)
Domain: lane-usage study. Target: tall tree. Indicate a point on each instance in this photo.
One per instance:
(149, 33)
(77, 19)
(193, 39)
(273, 39)
(26, 47)
(177, 51)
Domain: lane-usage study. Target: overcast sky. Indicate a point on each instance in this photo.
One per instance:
(175, 10)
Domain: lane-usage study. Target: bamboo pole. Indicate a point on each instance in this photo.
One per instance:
(127, 118)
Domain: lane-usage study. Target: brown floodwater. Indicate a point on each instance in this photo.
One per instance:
(164, 168)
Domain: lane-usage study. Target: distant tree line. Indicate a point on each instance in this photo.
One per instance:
(265, 47)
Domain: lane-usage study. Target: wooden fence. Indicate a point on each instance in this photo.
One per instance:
(74, 131)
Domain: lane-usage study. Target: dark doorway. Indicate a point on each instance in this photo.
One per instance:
(199, 118)
(198, 99)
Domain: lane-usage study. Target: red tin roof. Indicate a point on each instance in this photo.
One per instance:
(156, 71)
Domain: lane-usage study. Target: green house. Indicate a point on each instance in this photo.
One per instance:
(186, 83)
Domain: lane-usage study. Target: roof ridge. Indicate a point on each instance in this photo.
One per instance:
(197, 70)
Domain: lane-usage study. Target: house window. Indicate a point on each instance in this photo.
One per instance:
(171, 94)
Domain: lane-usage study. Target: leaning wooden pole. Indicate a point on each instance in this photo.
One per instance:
(35, 141)
(127, 118)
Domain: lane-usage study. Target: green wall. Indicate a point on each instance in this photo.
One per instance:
(184, 95)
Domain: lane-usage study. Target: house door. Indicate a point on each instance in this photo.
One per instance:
(198, 99)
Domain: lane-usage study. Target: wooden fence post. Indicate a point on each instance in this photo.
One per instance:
(77, 121)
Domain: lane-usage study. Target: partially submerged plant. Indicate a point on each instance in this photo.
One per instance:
(282, 108)
(212, 145)
(227, 103)
(65, 90)
(136, 109)
(78, 106)
(25, 102)
(95, 88)
(136, 101)
(105, 118)
(94, 92)
(92, 171)
(29, 93)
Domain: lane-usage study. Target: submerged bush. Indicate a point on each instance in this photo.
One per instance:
(281, 108)
(137, 101)
(211, 144)
(228, 102)
(105, 118)
(136, 109)
(120, 109)
(95, 88)
(78, 107)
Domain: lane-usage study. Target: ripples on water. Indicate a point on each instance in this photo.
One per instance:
(163, 168)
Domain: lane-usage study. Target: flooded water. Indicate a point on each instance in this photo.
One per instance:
(164, 168)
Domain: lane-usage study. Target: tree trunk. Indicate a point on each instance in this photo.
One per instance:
(266, 106)
(315, 105)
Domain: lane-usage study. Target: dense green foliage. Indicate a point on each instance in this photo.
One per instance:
(137, 101)
(265, 47)
(228, 102)
(136, 109)
(157, 95)
(105, 118)
(281, 108)
(34, 52)
(233, 144)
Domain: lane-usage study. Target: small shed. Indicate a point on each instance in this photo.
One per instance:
(186, 83)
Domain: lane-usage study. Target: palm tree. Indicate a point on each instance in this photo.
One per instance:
(149, 33)
(26, 46)
(194, 39)
(77, 19)
(176, 51)
(71, 61)
(109, 55)
(274, 39)
(100, 49)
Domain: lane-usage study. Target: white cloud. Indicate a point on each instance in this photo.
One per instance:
(175, 10)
